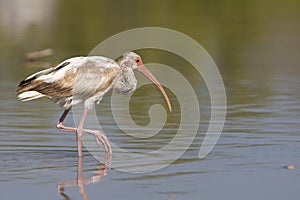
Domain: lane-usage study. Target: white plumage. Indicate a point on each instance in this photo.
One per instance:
(30, 95)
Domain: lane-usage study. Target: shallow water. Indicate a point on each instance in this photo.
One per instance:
(256, 49)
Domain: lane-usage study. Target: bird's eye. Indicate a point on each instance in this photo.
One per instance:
(137, 60)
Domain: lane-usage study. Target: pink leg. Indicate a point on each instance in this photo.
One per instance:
(100, 137)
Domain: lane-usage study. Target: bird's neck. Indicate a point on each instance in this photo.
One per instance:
(126, 81)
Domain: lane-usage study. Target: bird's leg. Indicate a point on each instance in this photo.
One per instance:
(60, 124)
(79, 131)
(100, 137)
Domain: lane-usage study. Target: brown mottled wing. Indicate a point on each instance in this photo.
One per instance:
(38, 81)
(83, 78)
(28, 83)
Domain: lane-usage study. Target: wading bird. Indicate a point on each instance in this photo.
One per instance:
(85, 80)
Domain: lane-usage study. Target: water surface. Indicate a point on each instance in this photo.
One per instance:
(255, 45)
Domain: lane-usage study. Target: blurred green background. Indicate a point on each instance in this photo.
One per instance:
(239, 35)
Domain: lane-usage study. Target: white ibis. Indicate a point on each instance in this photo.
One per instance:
(85, 80)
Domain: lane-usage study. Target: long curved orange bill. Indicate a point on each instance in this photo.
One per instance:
(150, 76)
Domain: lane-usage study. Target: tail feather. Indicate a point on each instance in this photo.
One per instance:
(30, 95)
(32, 81)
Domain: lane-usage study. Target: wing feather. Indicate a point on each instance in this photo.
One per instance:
(80, 76)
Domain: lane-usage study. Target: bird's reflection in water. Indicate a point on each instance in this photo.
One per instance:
(80, 181)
